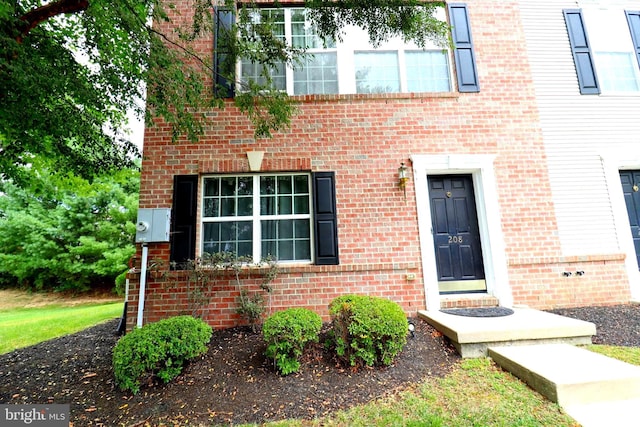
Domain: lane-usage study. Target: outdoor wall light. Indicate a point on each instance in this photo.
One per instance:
(403, 177)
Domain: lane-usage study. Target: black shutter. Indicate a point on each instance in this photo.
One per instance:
(582, 56)
(222, 59)
(183, 219)
(325, 218)
(633, 18)
(463, 52)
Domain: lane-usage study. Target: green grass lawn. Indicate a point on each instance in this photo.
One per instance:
(22, 327)
(476, 393)
(626, 354)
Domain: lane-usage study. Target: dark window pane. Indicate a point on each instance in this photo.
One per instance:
(301, 227)
(301, 184)
(267, 205)
(285, 250)
(303, 250)
(284, 205)
(301, 204)
(245, 186)
(211, 247)
(211, 207)
(269, 229)
(228, 186)
(284, 185)
(244, 249)
(245, 206)
(228, 207)
(227, 231)
(244, 230)
(212, 187)
(267, 185)
(269, 249)
(211, 232)
(285, 229)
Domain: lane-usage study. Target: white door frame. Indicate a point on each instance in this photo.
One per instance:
(613, 163)
(480, 166)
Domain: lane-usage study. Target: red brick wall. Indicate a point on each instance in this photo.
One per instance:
(363, 138)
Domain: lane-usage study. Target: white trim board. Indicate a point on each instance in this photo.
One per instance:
(481, 168)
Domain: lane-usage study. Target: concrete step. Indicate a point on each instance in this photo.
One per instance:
(570, 376)
(472, 336)
(619, 413)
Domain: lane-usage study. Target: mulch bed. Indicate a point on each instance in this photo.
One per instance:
(234, 383)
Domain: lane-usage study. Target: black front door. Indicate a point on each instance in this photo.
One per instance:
(631, 188)
(456, 234)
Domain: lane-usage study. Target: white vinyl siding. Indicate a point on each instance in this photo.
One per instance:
(578, 130)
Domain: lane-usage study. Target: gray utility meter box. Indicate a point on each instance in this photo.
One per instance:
(153, 225)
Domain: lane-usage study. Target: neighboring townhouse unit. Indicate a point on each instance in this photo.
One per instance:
(585, 63)
(482, 218)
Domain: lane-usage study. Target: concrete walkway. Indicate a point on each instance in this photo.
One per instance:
(538, 347)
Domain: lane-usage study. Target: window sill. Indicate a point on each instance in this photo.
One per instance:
(312, 268)
(372, 96)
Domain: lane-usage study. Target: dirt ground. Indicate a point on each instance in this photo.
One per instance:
(234, 383)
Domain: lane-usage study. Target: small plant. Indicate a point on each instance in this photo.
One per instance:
(158, 349)
(286, 333)
(251, 307)
(367, 330)
(211, 270)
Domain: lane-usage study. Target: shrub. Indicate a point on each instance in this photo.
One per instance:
(286, 333)
(367, 330)
(159, 349)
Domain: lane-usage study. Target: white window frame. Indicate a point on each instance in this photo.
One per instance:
(256, 217)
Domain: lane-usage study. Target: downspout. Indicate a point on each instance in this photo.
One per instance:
(143, 283)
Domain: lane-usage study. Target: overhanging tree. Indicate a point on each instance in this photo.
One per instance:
(70, 69)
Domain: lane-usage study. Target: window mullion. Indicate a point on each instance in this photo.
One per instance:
(288, 38)
(402, 69)
(257, 226)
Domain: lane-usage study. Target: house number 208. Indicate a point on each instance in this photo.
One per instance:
(455, 239)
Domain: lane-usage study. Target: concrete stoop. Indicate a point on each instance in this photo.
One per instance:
(472, 336)
(593, 389)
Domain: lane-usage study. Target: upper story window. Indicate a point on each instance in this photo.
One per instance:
(606, 49)
(351, 65)
(614, 54)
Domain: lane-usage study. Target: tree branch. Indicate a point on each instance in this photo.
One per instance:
(38, 15)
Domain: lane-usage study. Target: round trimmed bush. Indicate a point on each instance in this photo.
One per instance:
(286, 334)
(368, 330)
(158, 349)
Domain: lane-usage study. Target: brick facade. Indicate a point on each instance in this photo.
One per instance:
(363, 139)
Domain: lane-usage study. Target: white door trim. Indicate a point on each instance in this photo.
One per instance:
(613, 163)
(480, 166)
